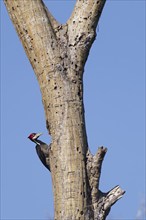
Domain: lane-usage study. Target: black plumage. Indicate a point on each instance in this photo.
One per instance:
(42, 149)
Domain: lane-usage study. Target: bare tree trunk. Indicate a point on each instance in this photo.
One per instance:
(58, 54)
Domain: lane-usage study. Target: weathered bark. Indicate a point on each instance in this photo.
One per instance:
(58, 54)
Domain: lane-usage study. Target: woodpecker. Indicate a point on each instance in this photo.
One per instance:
(42, 149)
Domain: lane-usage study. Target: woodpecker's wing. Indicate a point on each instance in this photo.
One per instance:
(42, 156)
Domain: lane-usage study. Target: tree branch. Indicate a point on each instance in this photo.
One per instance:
(106, 200)
(101, 202)
(82, 24)
(94, 164)
(53, 21)
(87, 13)
(34, 25)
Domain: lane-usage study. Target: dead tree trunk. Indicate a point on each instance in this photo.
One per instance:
(58, 54)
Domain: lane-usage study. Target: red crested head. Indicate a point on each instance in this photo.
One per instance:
(34, 136)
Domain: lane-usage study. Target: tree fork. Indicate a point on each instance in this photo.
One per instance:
(58, 54)
(101, 202)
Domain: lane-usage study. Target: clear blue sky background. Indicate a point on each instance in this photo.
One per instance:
(114, 96)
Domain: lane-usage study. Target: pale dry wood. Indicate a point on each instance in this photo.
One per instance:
(57, 54)
(101, 202)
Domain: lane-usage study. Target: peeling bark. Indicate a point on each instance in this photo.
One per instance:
(58, 54)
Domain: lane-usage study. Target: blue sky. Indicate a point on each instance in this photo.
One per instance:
(114, 96)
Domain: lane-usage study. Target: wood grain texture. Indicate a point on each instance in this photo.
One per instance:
(58, 54)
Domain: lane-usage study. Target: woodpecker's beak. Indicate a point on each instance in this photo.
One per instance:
(36, 136)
